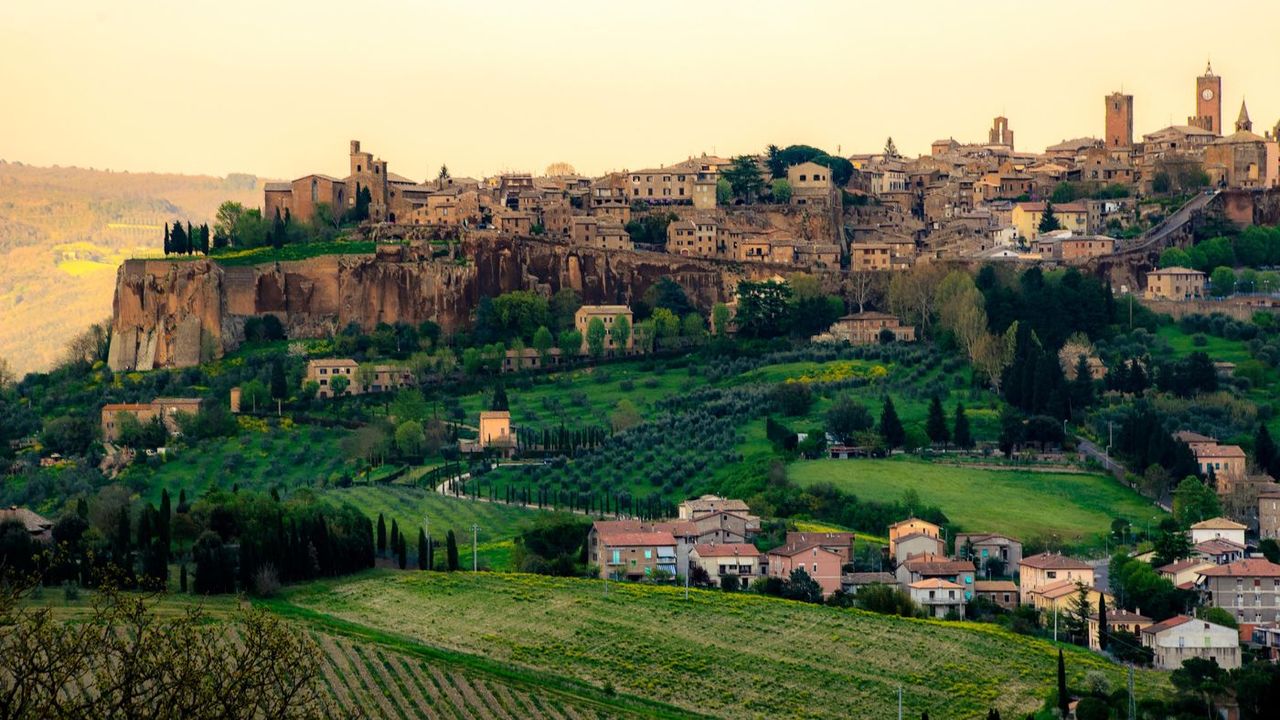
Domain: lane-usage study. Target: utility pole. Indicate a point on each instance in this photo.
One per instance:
(475, 563)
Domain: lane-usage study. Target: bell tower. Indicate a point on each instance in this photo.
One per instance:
(1208, 102)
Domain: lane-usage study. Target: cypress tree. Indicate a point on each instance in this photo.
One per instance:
(191, 238)
(279, 387)
(1264, 450)
(394, 540)
(277, 231)
(168, 242)
(1102, 622)
(82, 509)
(451, 551)
(936, 425)
(382, 535)
(182, 577)
(204, 238)
(163, 526)
(178, 239)
(182, 501)
(890, 426)
(423, 559)
(1064, 700)
(122, 533)
(962, 435)
(403, 553)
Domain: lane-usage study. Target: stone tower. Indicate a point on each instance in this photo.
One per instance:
(1119, 125)
(1208, 102)
(1243, 123)
(1000, 133)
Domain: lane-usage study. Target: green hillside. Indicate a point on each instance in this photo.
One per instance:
(725, 655)
(1077, 507)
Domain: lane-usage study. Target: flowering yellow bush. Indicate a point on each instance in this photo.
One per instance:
(838, 370)
(251, 424)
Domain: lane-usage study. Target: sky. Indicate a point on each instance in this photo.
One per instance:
(277, 89)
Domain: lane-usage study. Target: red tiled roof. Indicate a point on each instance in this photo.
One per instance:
(1179, 566)
(1163, 625)
(797, 548)
(995, 586)
(935, 583)
(726, 550)
(33, 522)
(1054, 561)
(1218, 546)
(1252, 567)
(926, 566)
(637, 539)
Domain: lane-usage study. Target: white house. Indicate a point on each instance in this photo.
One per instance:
(1218, 528)
(1181, 638)
(938, 597)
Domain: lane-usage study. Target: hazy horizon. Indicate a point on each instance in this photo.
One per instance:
(278, 90)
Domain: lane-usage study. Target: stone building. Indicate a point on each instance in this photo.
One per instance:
(1269, 512)
(1208, 115)
(1119, 122)
(1248, 589)
(1242, 159)
(1181, 638)
(1174, 283)
(867, 328)
(299, 199)
(607, 314)
(165, 408)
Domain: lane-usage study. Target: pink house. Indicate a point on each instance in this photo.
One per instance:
(821, 564)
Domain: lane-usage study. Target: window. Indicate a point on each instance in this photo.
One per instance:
(648, 554)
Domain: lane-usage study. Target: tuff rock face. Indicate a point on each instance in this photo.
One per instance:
(177, 313)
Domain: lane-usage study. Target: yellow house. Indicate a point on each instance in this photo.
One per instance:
(911, 526)
(495, 428)
(1060, 597)
(1071, 216)
(1045, 569)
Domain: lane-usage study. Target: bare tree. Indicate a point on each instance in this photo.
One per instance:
(863, 286)
(127, 660)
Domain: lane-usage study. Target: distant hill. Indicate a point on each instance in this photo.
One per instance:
(63, 231)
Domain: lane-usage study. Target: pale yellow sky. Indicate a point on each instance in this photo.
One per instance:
(278, 88)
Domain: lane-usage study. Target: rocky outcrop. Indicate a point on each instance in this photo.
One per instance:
(177, 313)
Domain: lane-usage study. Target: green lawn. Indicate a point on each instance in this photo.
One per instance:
(1218, 349)
(296, 251)
(1078, 508)
(727, 655)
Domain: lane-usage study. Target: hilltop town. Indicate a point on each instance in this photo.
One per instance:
(786, 433)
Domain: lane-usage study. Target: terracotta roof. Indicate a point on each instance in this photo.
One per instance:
(1252, 567)
(1177, 567)
(1176, 271)
(123, 407)
(1187, 436)
(935, 583)
(33, 522)
(797, 548)
(1163, 625)
(638, 539)
(868, 578)
(1060, 589)
(820, 538)
(982, 537)
(1054, 561)
(1218, 546)
(726, 550)
(278, 187)
(1220, 451)
(903, 538)
(938, 567)
(1114, 616)
(995, 586)
(1218, 523)
(910, 519)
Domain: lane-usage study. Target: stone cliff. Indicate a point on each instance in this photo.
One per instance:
(177, 313)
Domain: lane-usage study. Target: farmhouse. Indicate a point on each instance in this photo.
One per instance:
(1044, 569)
(1218, 528)
(938, 597)
(1001, 592)
(983, 548)
(1117, 621)
(40, 528)
(1175, 283)
(607, 314)
(636, 555)
(821, 564)
(1181, 638)
(165, 408)
(868, 328)
(740, 560)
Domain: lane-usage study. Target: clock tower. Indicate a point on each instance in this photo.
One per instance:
(1208, 102)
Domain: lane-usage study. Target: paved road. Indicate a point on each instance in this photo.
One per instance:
(1158, 234)
(1093, 451)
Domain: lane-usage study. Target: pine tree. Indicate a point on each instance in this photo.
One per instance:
(963, 437)
(451, 551)
(178, 239)
(1064, 700)
(936, 425)
(1102, 622)
(890, 426)
(1048, 220)
(422, 550)
(382, 535)
(402, 553)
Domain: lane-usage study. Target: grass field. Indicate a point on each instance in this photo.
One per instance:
(1219, 349)
(498, 524)
(253, 460)
(725, 655)
(1078, 508)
